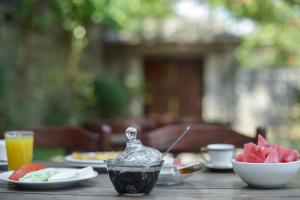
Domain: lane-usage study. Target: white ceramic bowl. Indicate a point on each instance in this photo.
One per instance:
(266, 175)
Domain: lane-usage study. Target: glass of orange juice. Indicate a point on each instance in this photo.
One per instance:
(19, 148)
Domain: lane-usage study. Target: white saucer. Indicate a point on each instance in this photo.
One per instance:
(3, 165)
(218, 167)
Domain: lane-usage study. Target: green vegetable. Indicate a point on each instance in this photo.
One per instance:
(39, 176)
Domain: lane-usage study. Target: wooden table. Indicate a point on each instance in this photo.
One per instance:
(202, 185)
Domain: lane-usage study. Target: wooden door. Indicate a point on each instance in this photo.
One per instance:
(173, 87)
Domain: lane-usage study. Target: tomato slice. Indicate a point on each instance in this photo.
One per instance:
(22, 171)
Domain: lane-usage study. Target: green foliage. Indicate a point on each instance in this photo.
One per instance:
(2, 87)
(275, 40)
(2, 79)
(60, 89)
(111, 96)
(42, 154)
(258, 10)
(73, 13)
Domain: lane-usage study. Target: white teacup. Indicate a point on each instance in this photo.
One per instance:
(3, 156)
(220, 154)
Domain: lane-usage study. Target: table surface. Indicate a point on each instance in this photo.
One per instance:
(202, 185)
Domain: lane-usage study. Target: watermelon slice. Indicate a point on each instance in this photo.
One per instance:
(252, 158)
(262, 141)
(251, 148)
(240, 157)
(273, 157)
(286, 154)
(290, 156)
(264, 152)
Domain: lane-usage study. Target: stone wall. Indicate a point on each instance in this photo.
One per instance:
(269, 97)
(247, 98)
(219, 86)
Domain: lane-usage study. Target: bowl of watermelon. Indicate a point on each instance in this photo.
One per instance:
(265, 165)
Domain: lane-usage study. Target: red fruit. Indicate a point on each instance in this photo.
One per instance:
(285, 154)
(289, 155)
(252, 158)
(240, 157)
(249, 146)
(268, 153)
(267, 150)
(262, 141)
(22, 171)
(254, 149)
(272, 157)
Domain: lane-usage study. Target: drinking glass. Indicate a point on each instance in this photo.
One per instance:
(19, 148)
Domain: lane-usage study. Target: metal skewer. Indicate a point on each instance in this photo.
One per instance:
(177, 140)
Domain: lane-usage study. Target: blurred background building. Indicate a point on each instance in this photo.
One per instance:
(67, 62)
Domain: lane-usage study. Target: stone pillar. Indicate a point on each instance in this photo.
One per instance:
(219, 86)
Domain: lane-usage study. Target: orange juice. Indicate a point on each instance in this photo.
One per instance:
(19, 147)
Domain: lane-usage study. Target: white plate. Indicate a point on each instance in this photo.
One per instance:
(98, 165)
(47, 184)
(169, 176)
(101, 167)
(70, 159)
(218, 167)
